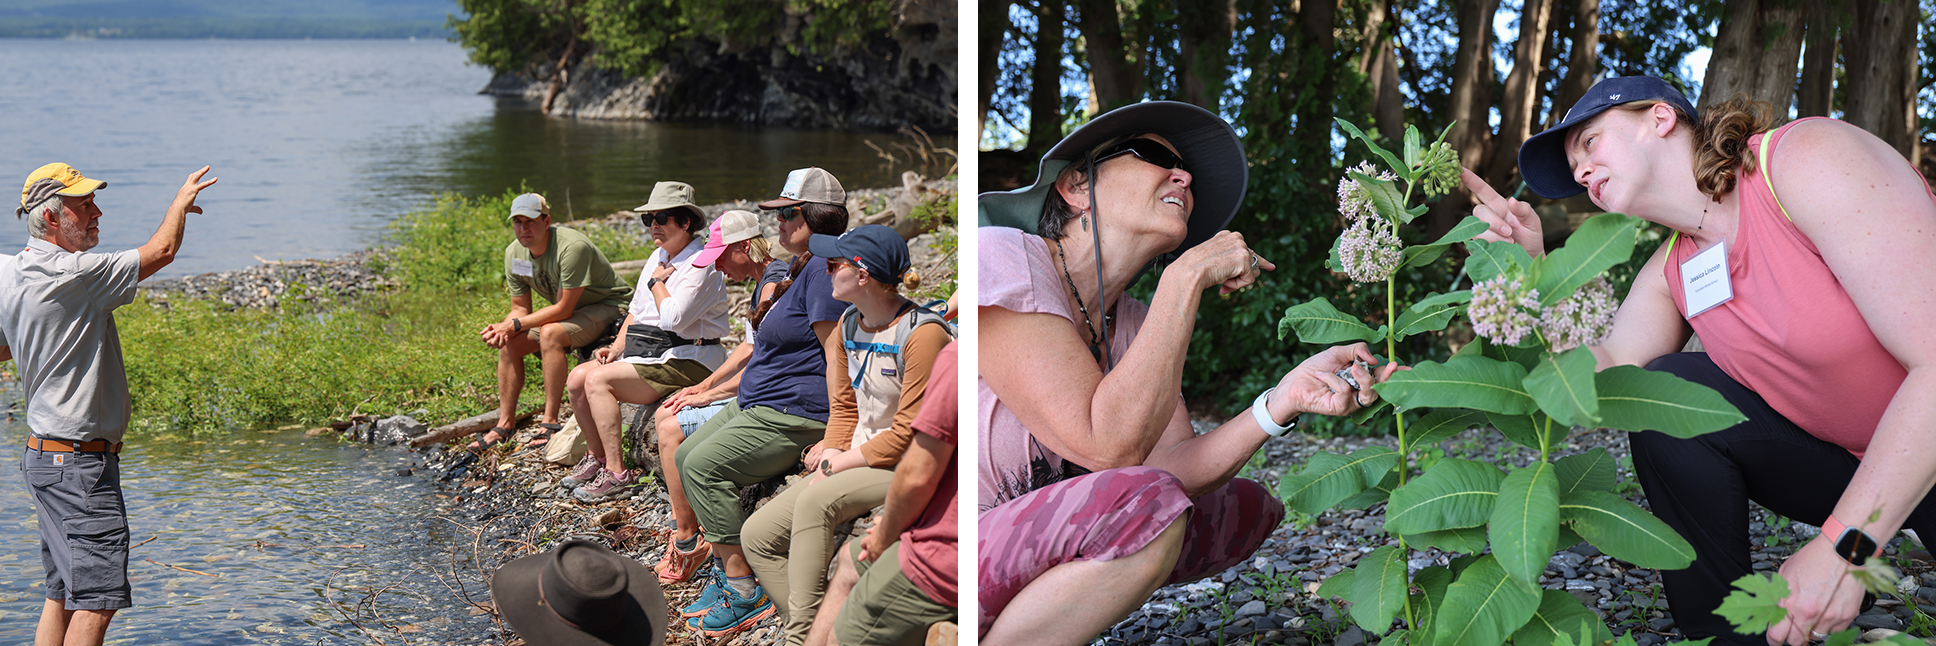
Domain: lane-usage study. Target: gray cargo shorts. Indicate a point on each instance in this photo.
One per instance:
(83, 527)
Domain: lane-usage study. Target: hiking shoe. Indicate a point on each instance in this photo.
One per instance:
(735, 613)
(709, 596)
(678, 566)
(606, 486)
(583, 474)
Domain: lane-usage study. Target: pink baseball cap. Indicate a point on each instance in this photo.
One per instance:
(728, 228)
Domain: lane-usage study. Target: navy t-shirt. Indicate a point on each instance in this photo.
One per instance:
(788, 372)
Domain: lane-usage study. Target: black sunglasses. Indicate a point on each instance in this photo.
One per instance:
(790, 212)
(1147, 150)
(650, 219)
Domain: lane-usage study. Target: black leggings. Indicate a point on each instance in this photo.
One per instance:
(1702, 486)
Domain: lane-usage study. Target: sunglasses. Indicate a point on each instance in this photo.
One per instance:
(1147, 150)
(655, 219)
(790, 212)
(833, 264)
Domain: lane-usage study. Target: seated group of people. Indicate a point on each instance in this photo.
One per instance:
(834, 371)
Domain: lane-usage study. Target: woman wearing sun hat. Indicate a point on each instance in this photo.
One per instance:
(1094, 489)
(1818, 243)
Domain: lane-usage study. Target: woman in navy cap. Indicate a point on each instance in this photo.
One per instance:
(1804, 258)
(1095, 490)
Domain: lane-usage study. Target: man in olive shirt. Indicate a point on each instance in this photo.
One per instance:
(586, 296)
(57, 307)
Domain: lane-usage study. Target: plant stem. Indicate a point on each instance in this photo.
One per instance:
(1546, 441)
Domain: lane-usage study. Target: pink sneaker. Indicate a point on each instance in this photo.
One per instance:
(582, 474)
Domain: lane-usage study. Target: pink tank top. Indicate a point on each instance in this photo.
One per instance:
(1791, 334)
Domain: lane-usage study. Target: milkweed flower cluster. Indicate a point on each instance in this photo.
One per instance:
(1370, 250)
(1441, 164)
(1353, 200)
(1503, 310)
(1581, 319)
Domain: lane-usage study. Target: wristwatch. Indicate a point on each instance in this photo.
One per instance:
(1262, 413)
(826, 467)
(1853, 545)
(653, 282)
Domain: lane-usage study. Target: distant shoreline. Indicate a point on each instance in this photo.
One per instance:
(205, 28)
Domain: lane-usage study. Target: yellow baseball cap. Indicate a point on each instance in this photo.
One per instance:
(72, 184)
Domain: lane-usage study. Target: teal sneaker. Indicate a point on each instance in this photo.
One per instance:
(709, 596)
(736, 613)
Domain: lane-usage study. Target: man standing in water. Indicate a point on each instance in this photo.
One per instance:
(57, 324)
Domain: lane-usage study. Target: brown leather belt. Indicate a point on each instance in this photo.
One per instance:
(64, 446)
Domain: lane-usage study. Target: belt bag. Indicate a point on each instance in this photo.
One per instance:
(650, 341)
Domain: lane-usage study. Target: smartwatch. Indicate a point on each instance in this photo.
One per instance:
(1262, 413)
(1853, 545)
(826, 467)
(654, 282)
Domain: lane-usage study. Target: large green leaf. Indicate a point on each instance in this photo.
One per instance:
(1440, 424)
(1385, 198)
(1477, 383)
(1378, 591)
(1413, 147)
(1422, 255)
(1560, 615)
(1465, 540)
(1329, 478)
(1365, 414)
(1317, 321)
(1637, 399)
(1590, 471)
(1338, 585)
(1525, 522)
(1527, 357)
(1625, 531)
(1483, 607)
(1563, 387)
(1520, 429)
(1431, 583)
(1391, 161)
(1431, 314)
(1755, 606)
(1603, 241)
(1454, 493)
(1490, 259)
(1373, 495)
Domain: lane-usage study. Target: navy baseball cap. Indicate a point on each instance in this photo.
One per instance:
(1542, 159)
(876, 249)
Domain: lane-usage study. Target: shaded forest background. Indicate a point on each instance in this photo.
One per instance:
(1281, 70)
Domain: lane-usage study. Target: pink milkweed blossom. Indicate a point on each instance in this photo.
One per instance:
(1353, 200)
(1370, 250)
(1581, 319)
(1503, 310)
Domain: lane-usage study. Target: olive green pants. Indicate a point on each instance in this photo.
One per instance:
(790, 541)
(734, 449)
(885, 609)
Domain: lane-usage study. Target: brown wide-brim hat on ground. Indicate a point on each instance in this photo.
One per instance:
(581, 594)
(1219, 172)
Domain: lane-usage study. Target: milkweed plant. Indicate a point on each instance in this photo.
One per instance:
(1530, 375)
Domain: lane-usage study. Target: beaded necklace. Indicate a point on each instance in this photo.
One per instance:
(1094, 349)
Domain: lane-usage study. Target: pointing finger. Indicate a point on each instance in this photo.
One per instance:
(1481, 190)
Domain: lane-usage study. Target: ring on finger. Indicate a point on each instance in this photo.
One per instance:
(1818, 634)
(1254, 266)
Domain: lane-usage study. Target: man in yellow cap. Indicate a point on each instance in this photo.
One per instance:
(57, 323)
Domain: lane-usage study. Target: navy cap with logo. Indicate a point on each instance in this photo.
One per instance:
(876, 249)
(1542, 159)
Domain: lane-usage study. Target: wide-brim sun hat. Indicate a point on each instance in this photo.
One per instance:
(674, 195)
(581, 594)
(1542, 159)
(1210, 149)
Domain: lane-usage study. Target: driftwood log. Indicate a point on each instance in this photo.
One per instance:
(466, 426)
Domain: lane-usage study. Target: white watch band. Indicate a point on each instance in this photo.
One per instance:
(1262, 413)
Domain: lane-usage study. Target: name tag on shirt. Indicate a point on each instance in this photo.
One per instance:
(1704, 280)
(520, 267)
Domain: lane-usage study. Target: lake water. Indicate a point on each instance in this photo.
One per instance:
(319, 144)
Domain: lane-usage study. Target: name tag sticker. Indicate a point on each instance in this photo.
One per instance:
(520, 267)
(1704, 280)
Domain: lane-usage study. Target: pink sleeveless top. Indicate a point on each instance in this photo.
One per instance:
(1791, 334)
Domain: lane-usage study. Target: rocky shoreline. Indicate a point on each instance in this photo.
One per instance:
(1272, 598)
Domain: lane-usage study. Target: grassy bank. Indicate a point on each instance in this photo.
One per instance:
(197, 366)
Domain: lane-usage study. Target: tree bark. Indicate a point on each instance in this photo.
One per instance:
(1756, 54)
(1522, 92)
(1045, 79)
(994, 27)
(1117, 80)
(1203, 47)
(1380, 66)
(1471, 92)
(1318, 18)
(1816, 96)
(1582, 62)
(1881, 88)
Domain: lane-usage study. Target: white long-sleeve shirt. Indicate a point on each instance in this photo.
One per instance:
(695, 306)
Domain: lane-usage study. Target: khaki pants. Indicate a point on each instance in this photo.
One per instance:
(885, 609)
(737, 448)
(789, 542)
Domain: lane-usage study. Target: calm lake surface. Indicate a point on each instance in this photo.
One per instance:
(319, 144)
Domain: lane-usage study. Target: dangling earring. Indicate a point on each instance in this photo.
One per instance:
(1085, 222)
